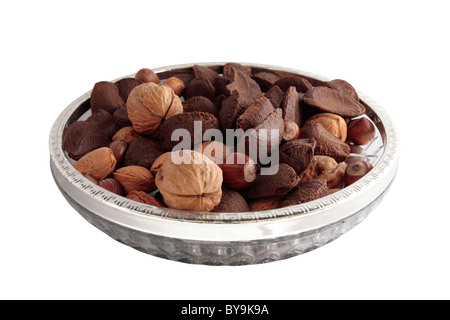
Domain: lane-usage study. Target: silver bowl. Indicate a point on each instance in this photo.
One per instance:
(227, 238)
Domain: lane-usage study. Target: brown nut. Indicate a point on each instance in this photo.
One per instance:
(291, 130)
(355, 170)
(192, 182)
(324, 167)
(334, 124)
(105, 95)
(146, 75)
(232, 201)
(326, 143)
(239, 171)
(159, 162)
(98, 163)
(361, 131)
(119, 148)
(214, 150)
(143, 152)
(112, 185)
(150, 104)
(81, 137)
(141, 196)
(305, 192)
(135, 178)
(126, 134)
(192, 122)
(262, 204)
(334, 101)
(276, 185)
(176, 84)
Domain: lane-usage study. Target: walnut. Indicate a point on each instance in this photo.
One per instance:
(188, 180)
(149, 104)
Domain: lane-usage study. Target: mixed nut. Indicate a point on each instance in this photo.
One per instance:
(127, 145)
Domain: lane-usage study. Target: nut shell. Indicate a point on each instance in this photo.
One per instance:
(361, 131)
(176, 84)
(135, 178)
(149, 104)
(147, 75)
(112, 185)
(334, 124)
(324, 167)
(98, 163)
(143, 197)
(126, 134)
(194, 184)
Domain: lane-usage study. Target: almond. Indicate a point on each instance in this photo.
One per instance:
(135, 178)
(98, 163)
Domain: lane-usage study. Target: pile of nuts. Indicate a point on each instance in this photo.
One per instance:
(126, 146)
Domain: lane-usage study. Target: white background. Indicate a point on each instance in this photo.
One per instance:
(396, 52)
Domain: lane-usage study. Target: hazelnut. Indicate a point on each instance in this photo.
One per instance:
(112, 185)
(141, 196)
(193, 184)
(146, 75)
(355, 170)
(135, 178)
(150, 104)
(176, 84)
(334, 124)
(239, 171)
(361, 131)
(98, 163)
